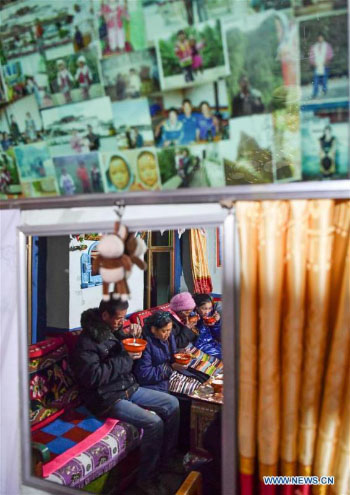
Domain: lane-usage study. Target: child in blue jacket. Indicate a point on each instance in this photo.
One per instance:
(208, 340)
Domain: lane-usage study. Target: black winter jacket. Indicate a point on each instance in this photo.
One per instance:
(101, 366)
(183, 335)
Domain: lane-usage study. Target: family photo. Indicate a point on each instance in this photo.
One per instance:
(24, 124)
(121, 26)
(131, 75)
(325, 141)
(195, 115)
(80, 127)
(74, 77)
(132, 124)
(248, 155)
(36, 170)
(263, 59)
(192, 56)
(324, 57)
(132, 170)
(78, 174)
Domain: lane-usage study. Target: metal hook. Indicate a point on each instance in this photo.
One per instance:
(120, 204)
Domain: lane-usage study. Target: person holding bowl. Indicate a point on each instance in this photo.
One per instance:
(209, 326)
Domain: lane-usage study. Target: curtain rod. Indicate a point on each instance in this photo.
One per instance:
(294, 190)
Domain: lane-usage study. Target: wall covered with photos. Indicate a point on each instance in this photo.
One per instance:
(141, 95)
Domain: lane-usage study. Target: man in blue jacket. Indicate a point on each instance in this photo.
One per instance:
(103, 371)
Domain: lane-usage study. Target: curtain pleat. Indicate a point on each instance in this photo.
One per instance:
(199, 262)
(294, 411)
(248, 214)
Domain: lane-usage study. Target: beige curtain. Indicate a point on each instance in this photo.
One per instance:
(294, 338)
(199, 262)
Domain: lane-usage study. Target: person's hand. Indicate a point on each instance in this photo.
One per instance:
(217, 316)
(135, 330)
(135, 355)
(190, 324)
(179, 367)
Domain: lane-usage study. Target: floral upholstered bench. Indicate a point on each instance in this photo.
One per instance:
(71, 447)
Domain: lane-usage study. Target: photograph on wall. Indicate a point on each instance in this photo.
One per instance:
(78, 174)
(74, 77)
(315, 7)
(132, 124)
(325, 141)
(191, 166)
(324, 69)
(263, 58)
(80, 127)
(194, 115)
(248, 155)
(36, 170)
(14, 80)
(121, 26)
(31, 26)
(131, 75)
(24, 121)
(287, 153)
(131, 170)
(193, 55)
(10, 186)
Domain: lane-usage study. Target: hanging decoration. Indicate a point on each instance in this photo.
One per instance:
(199, 264)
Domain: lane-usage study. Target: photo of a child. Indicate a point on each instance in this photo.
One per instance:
(192, 56)
(74, 77)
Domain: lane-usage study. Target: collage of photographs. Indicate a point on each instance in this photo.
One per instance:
(141, 95)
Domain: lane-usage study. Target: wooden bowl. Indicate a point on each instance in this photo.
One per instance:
(217, 385)
(182, 358)
(209, 320)
(193, 318)
(135, 346)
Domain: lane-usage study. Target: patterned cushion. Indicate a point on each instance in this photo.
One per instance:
(51, 386)
(140, 316)
(95, 460)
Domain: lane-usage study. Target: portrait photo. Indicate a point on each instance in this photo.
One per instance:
(193, 55)
(121, 27)
(10, 186)
(324, 70)
(248, 155)
(24, 122)
(74, 77)
(194, 115)
(191, 166)
(80, 127)
(132, 124)
(131, 75)
(131, 170)
(36, 170)
(325, 141)
(263, 58)
(78, 174)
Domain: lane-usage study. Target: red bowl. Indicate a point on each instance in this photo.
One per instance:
(209, 320)
(182, 358)
(135, 346)
(218, 386)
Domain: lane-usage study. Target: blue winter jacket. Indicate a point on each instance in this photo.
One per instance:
(207, 341)
(153, 369)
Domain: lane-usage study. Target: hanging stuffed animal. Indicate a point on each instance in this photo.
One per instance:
(115, 261)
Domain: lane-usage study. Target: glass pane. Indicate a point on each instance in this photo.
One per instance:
(160, 279)
(160, 239)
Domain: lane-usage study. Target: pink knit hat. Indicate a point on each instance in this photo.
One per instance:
(182, 302)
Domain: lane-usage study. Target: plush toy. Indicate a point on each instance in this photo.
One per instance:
(116, 255)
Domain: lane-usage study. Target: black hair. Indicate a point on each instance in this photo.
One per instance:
(187, 100)
(158, 319)
(204, 102)
(201, 299)
(112, 306)
(181, 32)
(173, 109)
